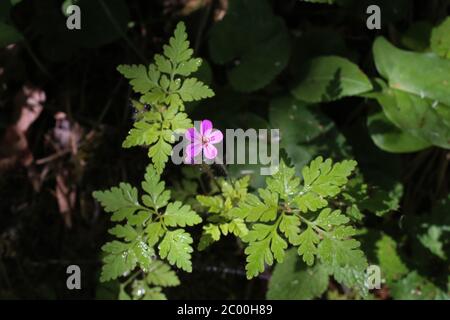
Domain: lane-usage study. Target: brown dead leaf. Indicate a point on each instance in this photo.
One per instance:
(14, 143)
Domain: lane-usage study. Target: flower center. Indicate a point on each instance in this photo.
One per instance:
(205, 140)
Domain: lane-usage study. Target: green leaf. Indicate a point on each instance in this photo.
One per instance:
(140, 78)
(253, 209)
(122, 201)
(440, 39)
(290, 226)
(391, 265)
(160, 274)
(157, 196)
(127, 232)
(293, 280)
(213, 203)
(143, 133)
(422, 118)
(178, 49)
(308, 241)
(160, 151)
(176, 247)
(211, 233)
(284, 182)
(193, 89)
(181, 215)
(264, 245)
(416, 287)
(119, 260)
(329, 78)
(421, 74)
(322, 179)
(390, 138)
(9, 35)
(254, 29)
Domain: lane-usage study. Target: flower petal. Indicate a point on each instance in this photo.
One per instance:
(192, 134)
(205, 126)
(214, 136)
(192, 150)
(210, 151)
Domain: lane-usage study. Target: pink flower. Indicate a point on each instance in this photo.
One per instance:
(203, 140)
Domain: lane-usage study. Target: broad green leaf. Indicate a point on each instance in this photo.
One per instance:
(293, 280)
(390, 138)
(420, 117)
(422, 74)
(254, 29)
(329, 78)
(440, 39)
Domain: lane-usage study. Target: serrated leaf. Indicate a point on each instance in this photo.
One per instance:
(142, 134)
(253, 209)
(284, 182)
(193, 89)
(178, 48)
(139, 76)
(290, 226)
(157, 197)
(176, 247)
(122, 201)
(307, 249)
(159, 153)
(127, 232)
(213, 203)
(265, 244)
(177, 214)
(119, 260)
(390, 262)
(211, 233)
(160, 274)
(322, 179)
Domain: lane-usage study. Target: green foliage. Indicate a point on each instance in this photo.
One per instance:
(254, 29)
(221, 215)
(440, 39)
(149, 222)
(165, 86)
(293, 280)
(329, 78)
(286, 212)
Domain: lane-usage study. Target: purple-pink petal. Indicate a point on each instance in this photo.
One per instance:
(210, 151)
(214, 136)
(205, 126)
(192, 150)
(192, 134)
